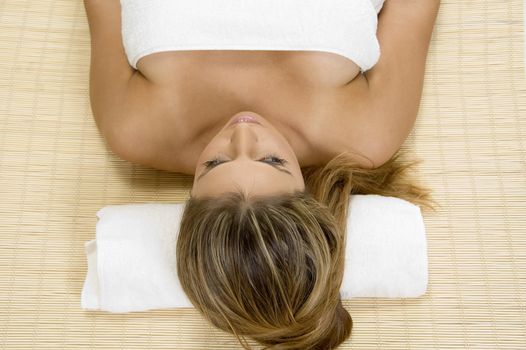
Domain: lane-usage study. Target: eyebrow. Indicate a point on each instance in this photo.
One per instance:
(277, 167)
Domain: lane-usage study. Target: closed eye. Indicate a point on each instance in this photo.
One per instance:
(270, 159)
(213, 163)
(274, 161)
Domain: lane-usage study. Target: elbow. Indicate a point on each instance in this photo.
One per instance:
(380, 158)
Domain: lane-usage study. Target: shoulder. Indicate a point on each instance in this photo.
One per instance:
(360, 126)
(144, 127)
(381, 105)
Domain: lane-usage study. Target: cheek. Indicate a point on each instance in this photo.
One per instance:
(209, 151)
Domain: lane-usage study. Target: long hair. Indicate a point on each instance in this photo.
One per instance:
(270, 268)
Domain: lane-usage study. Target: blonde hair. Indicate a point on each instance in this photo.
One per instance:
(271, 268)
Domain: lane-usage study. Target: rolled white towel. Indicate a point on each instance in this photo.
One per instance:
(132, 263)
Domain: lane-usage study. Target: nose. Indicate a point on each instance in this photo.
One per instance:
(244, 139)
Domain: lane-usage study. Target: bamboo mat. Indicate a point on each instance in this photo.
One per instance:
(56, 172)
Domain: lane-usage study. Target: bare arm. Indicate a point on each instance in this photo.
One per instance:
(119, 94)
(109, 69)
(395, 83)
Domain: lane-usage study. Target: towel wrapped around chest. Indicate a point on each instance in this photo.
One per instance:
(344, 27)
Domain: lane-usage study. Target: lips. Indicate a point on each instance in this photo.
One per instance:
(245, 119)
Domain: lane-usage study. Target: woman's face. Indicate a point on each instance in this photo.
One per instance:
(249, 155)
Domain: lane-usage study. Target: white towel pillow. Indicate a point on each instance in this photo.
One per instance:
(131, 264)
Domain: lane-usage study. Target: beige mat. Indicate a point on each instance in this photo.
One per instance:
(56, 172)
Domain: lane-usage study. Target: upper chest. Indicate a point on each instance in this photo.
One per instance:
(229, 68)
(292, 87)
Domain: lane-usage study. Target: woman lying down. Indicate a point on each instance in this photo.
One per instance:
(281, 110)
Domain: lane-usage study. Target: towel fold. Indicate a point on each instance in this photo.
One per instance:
(132, 264)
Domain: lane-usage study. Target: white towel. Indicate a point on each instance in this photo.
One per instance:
(131, 264)
(344, 27)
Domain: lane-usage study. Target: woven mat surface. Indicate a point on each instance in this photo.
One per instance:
(56, 172)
